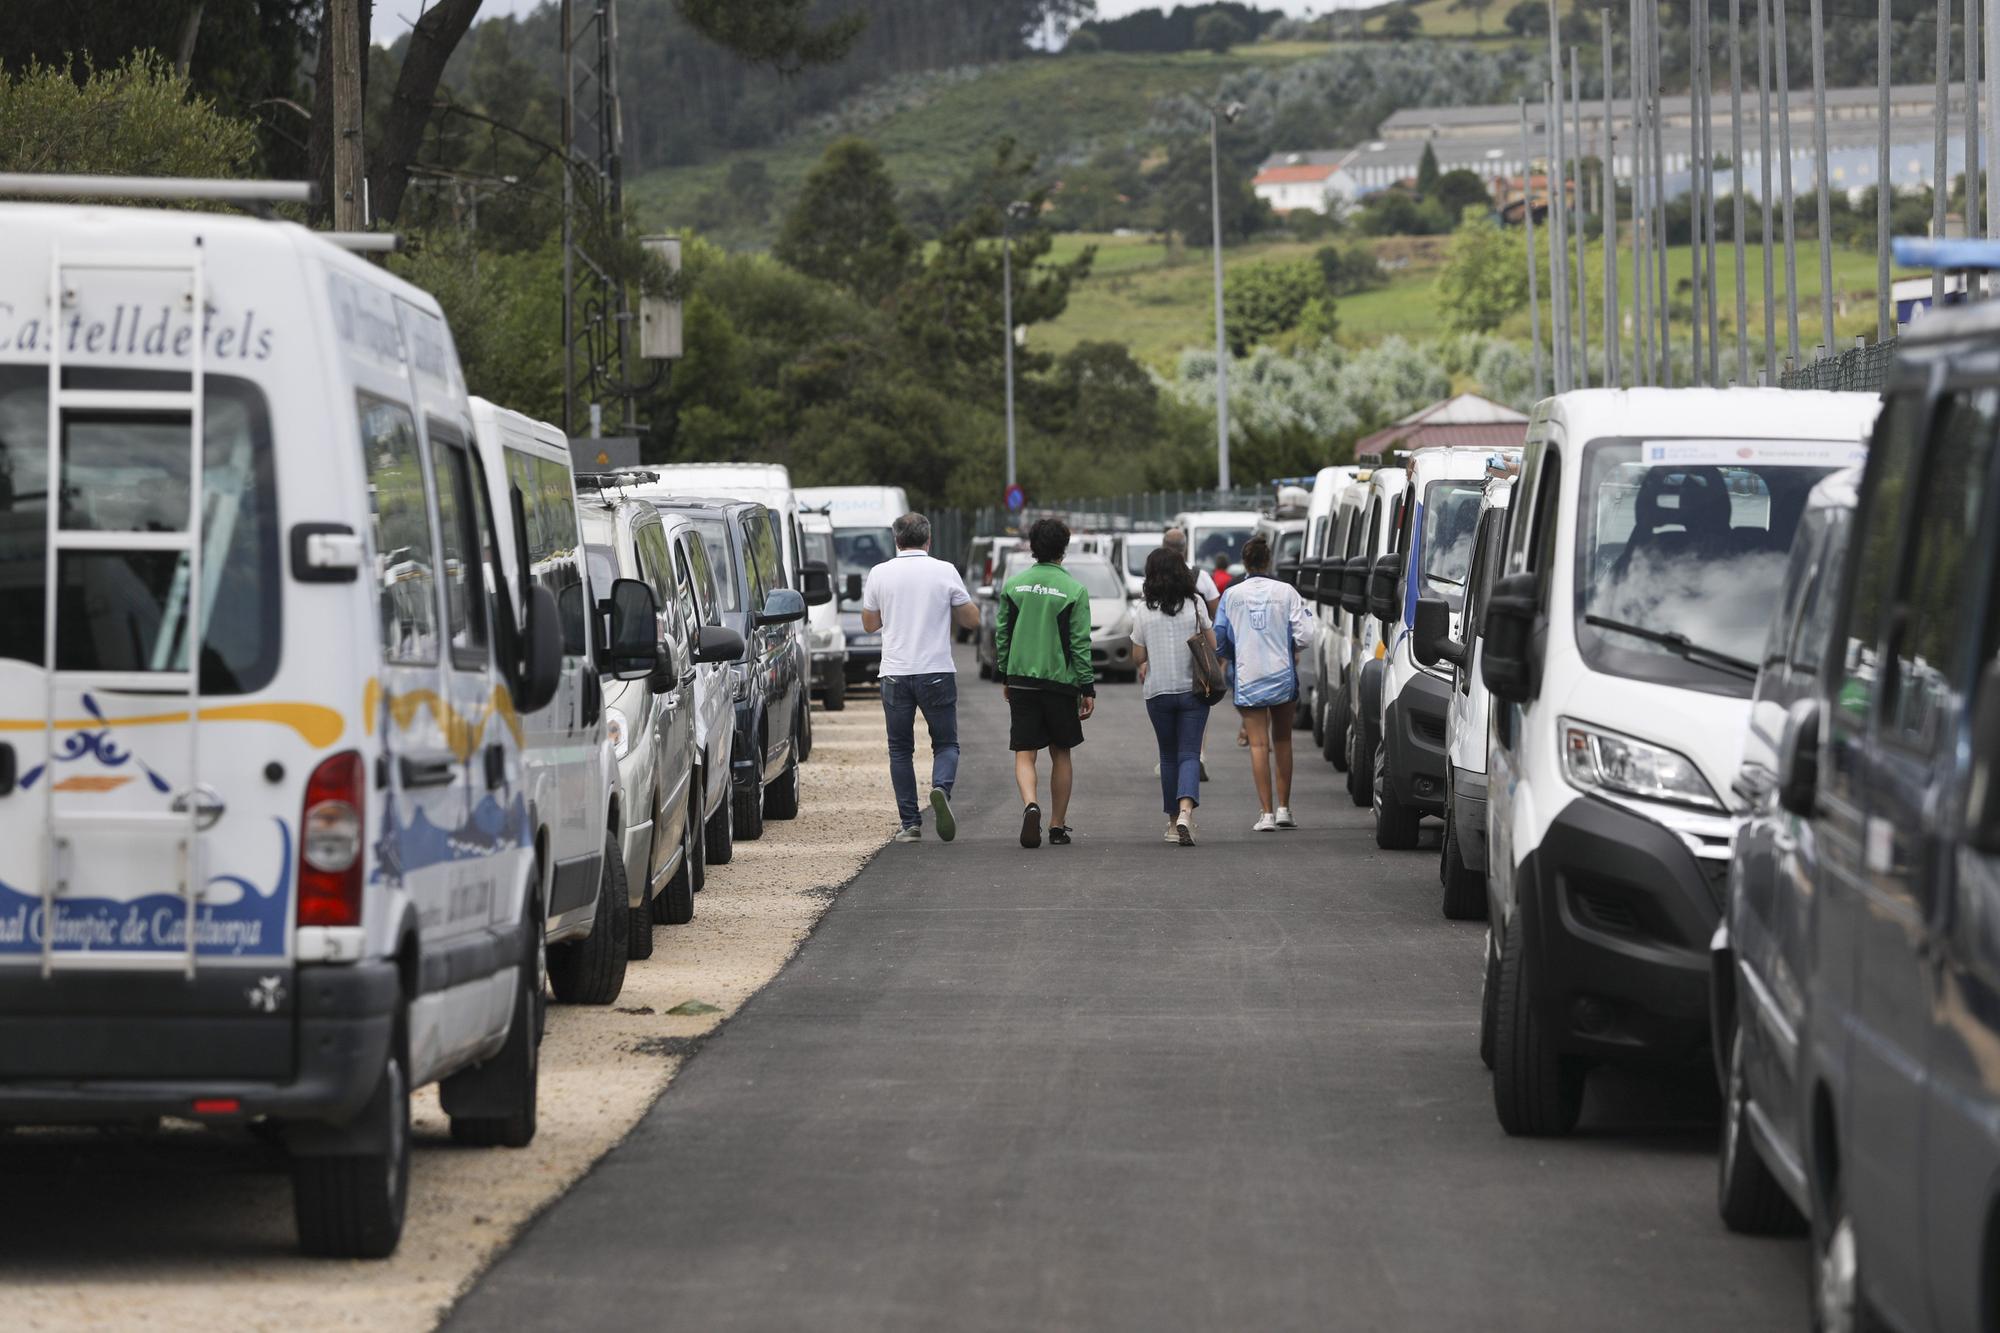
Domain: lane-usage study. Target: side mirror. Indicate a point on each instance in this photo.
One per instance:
(816, 581)
(782, 607)
(635, 630)
(1385, 588)
(1354, 585)
(851, 589)
(1431, 638)
(666, 674)
(1506, 663)
(541, 652)
(716, 644)
(1798, 759)
(1288, 572)
(1982, 794)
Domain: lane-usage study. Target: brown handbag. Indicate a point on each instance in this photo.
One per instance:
(1211, 682)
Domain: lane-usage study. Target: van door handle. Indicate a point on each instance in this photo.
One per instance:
(496, 766)
(426, 770)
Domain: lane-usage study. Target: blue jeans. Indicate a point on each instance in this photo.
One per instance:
(937, 696)
(1178, 721)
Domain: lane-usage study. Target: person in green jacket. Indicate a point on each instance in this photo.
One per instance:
(1041, 642)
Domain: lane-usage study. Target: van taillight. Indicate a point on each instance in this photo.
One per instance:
(330, 838)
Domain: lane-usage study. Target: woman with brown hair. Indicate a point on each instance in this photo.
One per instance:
(1172, 613)
(1260, 627)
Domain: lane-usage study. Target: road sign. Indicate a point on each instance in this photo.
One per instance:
(1014, 497)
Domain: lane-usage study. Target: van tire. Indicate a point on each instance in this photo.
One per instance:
(592, 970)
(1334, 745)
(351, 1206)
(510, 1077)
(781, 798)
(1748, 1196)
(1360, 763)
(1395, 823)
(719, 832)
(674, 905)
(750, 800)
(834, 696)
(1464, 889)
(802, 734)
(1537, 1091)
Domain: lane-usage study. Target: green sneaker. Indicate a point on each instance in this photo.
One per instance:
(947, 825)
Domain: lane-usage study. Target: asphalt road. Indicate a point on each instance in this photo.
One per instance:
(1128, 1085)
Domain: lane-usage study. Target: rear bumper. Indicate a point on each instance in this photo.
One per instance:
(107, 1047)
(1468, 813)
(1413, 731)
(864, 660)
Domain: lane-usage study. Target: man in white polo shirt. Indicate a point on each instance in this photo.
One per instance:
(913, 600)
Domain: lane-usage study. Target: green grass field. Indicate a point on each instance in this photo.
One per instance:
(1160, 301)
(1440, 21)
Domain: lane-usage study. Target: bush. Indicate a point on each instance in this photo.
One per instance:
(1348, 271)
(138, 119)
(1217, 32)
(1083, 43)
(1264, 300)
(1393, 213)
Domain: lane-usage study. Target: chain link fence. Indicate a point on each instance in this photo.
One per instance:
(1861, 368)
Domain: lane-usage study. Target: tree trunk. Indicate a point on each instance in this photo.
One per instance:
(319, 140)
(190, 29)
(432, 41)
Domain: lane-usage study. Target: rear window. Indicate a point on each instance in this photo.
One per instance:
(127, 610)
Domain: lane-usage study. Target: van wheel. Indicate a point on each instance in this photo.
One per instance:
(1395, 823)
(351, 1206)
(507, 1082)
(1537, 1092)
(749, 816)
(719, 833)
(1464, 890)
(1319, 708)
(781, 799)
(1748, 1196)
(675, 904)
(1360, 765)
(1334, 745)
(592, 970)
(835, 694)
(1489, 1002)
(803, 734)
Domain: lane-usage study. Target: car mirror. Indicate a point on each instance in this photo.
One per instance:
(1506, 662)
(1431, 639)
(1354, 585)
(1798, 759)
(542, 652)
(716, 644)
(816, 582)
(782, 607)
(851, 589)
(1288, 572)
(635, 630)
(1385, 588)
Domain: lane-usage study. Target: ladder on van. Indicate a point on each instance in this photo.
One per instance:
(63, 829)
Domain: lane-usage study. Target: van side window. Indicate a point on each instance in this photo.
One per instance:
(1878, 521)
(522, 476)
(558, 565)
(458, 538)
(1815, 624)
(766, 572)
(684, 587)
(707, 595)
(1952, 491)
(1541, 545)
(653, 559)
(402, 521)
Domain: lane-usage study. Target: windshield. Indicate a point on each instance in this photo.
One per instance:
(715, 540)
(1289, 546)
(1097, 577)
(819, 546)
(1136, 551)
(1451, 521)
(1211, 542)
(861, 549)
(1681, 552)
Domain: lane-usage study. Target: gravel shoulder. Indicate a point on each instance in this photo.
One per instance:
(191, 1230)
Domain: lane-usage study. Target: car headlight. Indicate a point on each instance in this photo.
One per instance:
(1597, 760)
(619, 728)
(822, 639)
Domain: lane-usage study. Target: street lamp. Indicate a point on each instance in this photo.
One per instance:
(1014, 212)
(1218, 113)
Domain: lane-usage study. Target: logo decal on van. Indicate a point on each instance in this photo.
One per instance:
(96, 745)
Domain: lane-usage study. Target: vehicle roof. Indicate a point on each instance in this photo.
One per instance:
(700, 504)
(1220, 515)
(1283, 524)
(517, 428)
(1748, 413)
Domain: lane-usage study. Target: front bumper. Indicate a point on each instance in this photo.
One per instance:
(1468, 812)
(864, 660)
(106, 1047)
(827, 668)
(1413, 731)
(1621, 912)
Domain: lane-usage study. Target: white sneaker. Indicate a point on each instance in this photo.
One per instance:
(1265, 824)
(1172, 836)
(1184, 831)
(1285, 819)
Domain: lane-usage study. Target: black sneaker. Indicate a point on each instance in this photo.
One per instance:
(1058, 835)
(1031, 826)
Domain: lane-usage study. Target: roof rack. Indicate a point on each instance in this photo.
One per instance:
(616, 478)
(29, 185)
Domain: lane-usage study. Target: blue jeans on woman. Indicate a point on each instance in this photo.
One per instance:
(1178, 721)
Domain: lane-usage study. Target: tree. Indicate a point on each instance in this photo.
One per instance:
(844, 227)
(139, 119)
(1529, 18)
(1458, 190)
(1261, 301)
(1083, 43)
(1402, 23)
(1215, 31)
(1427, 171)
(1485, 276)
(1183, 190)
(1478, 9)
(779, 33)
(1348, 271)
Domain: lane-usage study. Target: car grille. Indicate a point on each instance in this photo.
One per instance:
(1427, 727)
(1606, 911)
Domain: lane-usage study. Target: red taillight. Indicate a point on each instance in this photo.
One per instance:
(330, 843)
(217, 1106)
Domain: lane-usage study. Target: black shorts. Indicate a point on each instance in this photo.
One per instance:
(1044, 720)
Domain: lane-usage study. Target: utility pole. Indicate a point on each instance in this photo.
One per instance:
(1582, 218)
(1736, 192)
(345, 34)
(1528, 221)
(1216, 115)
(1825, 185)
(1609, 216)
(1884, 312)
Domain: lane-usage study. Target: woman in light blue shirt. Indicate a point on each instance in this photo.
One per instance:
(1259, 628)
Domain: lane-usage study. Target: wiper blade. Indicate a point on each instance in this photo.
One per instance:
(1679, 643)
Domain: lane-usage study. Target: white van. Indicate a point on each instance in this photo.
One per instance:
(1326, 487)
(1217, 532)
(1333, 642)
(825, 637)
(282, 881)
(1372, 535)
(1645, 553)
(569, 770)
(862, 538)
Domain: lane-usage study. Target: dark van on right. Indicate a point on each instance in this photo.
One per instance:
(1888, 771)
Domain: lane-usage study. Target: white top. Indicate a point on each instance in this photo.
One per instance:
(914, 594)
(1204, 583)
(1169, 664)
(1260, 627)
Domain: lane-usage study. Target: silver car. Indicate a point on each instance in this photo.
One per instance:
(1110, 615)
